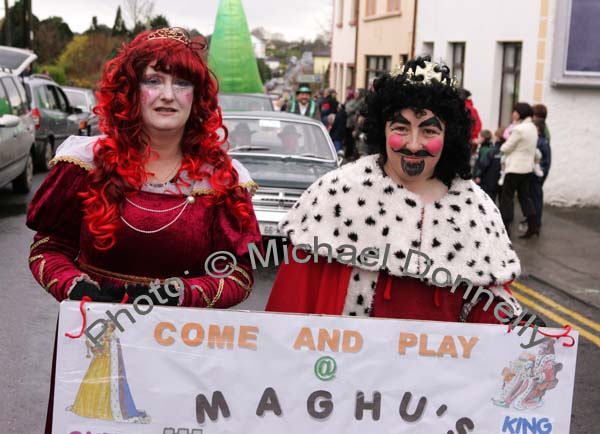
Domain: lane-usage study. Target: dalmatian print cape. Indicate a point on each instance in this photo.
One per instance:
(358, 207)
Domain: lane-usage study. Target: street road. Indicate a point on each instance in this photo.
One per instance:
(29, 315)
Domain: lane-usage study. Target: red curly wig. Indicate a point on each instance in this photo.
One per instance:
(121, 156)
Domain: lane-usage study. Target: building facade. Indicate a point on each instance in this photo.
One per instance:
(503, 52)
(385, 37)
(342, 71)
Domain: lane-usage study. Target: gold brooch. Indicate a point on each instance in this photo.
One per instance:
(176, 33)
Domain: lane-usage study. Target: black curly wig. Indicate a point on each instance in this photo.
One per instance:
(391, 94)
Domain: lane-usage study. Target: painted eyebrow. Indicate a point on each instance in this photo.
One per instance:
(431, 122)
(399, 119)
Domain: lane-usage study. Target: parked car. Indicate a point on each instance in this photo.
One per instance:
(85, 99)
(55, 118)
(245, 102)
(284, 153)
(17, 135)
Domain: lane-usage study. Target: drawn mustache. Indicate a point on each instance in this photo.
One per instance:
(419, 153)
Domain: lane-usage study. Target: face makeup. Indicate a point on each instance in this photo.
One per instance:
(166, 101)
(414, 143)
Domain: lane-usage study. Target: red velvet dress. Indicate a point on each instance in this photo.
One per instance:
(63, 250)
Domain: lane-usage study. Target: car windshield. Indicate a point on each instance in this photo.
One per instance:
(278, 137)
(241, 102)
(77, 99)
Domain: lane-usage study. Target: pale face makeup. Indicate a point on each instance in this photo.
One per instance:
(414, 143)
(166, 102)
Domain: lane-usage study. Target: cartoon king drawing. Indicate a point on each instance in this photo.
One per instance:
(104, 392)
(527, 379)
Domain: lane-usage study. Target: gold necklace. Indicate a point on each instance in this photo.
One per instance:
(169, 175)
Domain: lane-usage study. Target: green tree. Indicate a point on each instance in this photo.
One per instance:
(50, 39)
(16, 27)
(84, 58)
(158, 22)
(264, 70)
(119, 28)
(96, 27)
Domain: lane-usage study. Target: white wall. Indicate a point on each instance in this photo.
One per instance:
(483, 26)
(342, 47)
(573, 118)
(573, 113)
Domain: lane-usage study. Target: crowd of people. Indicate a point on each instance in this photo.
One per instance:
(514, 159)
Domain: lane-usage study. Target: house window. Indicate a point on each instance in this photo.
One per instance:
(340, 13)
(393, 5)
(458, 61)
(371, 7)
(511, 76)
(350, 76)
(376, 65)
(354, 17)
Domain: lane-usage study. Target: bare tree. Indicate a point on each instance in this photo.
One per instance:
(138, 11)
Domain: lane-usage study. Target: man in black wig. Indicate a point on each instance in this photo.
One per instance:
(412, 207)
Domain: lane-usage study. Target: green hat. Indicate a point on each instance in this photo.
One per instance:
(303, 88)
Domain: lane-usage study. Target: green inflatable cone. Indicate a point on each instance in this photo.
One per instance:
(231, 56)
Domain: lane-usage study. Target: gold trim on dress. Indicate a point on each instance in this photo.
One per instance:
(201, 290)
(73, 160)
(243, 273)
(38, 243)
(49, 285)
(35, 258)
(41, 272)
(219, 292)
(130, 278)
(204, 190)
(239, 282)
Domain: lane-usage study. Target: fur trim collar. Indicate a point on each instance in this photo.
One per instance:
(79, 150)
(358, 206)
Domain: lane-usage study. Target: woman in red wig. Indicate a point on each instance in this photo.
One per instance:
(153, 197)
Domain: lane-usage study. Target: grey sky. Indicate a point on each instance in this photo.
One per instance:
(293, 18)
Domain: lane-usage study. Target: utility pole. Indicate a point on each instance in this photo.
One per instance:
(27, 23)
(7, 38)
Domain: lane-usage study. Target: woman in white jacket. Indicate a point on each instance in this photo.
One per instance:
(520, 154)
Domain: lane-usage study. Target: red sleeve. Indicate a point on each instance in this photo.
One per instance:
(208, 291)
(309, 287)
(55, 214)
(477, 120)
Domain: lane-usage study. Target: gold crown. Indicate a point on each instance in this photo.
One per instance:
(428, 73)
(176, 33)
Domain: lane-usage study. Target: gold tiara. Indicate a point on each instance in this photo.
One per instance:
(176, 33)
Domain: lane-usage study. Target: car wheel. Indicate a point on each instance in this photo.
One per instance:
(23, 183)
(46, 153)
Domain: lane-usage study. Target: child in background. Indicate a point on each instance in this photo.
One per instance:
(487, 167)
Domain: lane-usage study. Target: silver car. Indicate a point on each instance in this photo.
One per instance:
(84, 99)
(284, 153)
(17, 135)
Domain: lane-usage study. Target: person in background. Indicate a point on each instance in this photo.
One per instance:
(498, 141)
(520, 152)
(487, 167)
(303, 104)
(540, 113)
(338, 128)
(353, 102)
(537, 180)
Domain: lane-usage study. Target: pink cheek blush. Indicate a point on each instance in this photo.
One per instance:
(148, 95)
(396, 142)
(434, 146)
(188, 96)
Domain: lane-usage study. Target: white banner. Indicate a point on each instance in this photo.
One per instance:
(201, 371)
